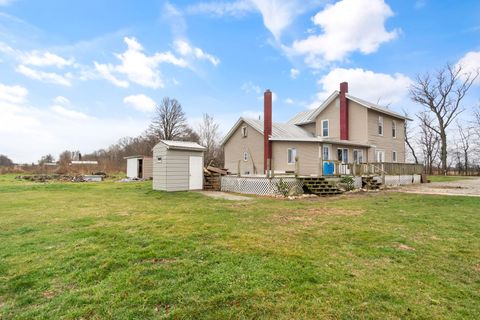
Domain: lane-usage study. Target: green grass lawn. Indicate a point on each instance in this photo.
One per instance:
(447, 178)
(122, 251)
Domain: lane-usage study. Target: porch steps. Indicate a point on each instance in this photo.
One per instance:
(369, 183)
(320, 186)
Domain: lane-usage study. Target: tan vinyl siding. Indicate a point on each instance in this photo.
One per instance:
(159, 169)
(147, 168)
(307, 153)
(357, 118)
(386, 142)
(237, 145)
(173, 173)
(332, 114)
(310, 127)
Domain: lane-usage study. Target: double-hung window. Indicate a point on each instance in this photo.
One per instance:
(357, 156)
(291, 155)
(394, 156)
(394, 129)
(325, 128)
(380, 126)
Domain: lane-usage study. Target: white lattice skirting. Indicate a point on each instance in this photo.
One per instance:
(259, 185)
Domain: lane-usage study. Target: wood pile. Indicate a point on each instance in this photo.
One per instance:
(212, 178)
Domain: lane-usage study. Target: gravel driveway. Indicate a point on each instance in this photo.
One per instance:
(467, 187)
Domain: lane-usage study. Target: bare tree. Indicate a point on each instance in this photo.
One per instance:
(464, 144)
(208, 132)
(441, 95)
(169, 121)
(5, 161)
(429, 140)
(46, 159)
(408, 140)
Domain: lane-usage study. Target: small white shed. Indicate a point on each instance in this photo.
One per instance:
(177, 166)
(139, 167)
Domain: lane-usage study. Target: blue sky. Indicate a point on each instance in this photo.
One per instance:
(81, 74)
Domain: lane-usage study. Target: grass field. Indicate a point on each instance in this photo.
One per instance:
(121, 251)
(447, 178)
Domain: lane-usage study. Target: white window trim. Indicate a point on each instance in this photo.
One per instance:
(376, 158)
(348, 154)
(329, 147)
(328, 128)
(380, 124)
(359, 151)
(294, 156)
(394, 126)
(244, 131)
(396, 156)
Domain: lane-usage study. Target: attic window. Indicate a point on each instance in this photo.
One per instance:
(245, 156)
(244, 132)
(394, 129)
(325, 129)
(380, 126)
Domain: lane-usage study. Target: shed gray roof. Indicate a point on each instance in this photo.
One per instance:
(182, 145)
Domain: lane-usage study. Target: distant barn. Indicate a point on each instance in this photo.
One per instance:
(139, 167)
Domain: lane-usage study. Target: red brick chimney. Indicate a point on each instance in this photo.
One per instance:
(267, 129)
(343, 111)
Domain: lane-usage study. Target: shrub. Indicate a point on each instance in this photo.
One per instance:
(347, 182)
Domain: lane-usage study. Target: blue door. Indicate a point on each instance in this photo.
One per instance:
(328, 168)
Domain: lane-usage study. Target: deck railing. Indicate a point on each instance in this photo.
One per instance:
(372, 168)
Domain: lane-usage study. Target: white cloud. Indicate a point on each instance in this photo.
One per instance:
(39, 59)
(69, 113)
(140, 102)
(249, 87)
(470, 63)
(252, 114)
(234, 9)
(277, 15)
(185, 49)
(29, 132)
(12, 94)
(138, 67)
(105, 71)
(347, 26)
(289, 101)
(294, 73)
(61, 101)
(378, 88)
(49, 77)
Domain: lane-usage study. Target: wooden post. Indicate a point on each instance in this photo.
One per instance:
(297, 166)
(238, 168)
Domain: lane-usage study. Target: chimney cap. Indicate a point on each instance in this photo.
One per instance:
(268, 91)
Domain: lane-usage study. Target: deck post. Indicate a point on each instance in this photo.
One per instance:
(297, 166)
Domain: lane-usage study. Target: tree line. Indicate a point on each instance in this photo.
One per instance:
(441, 140)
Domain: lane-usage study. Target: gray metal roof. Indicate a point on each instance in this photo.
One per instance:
(301, 117)
(280, 130)
(310, 115)
(183, 145)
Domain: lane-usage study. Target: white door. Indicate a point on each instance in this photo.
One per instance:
(196, 173)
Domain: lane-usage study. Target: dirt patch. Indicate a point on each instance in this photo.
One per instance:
(476, 267)
(224, 196)
(157, 261)
(468, 187)
(163, 308)
(49, 294)
(310, 214)
(405, 247)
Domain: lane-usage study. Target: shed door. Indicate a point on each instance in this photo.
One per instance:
(196, 173)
